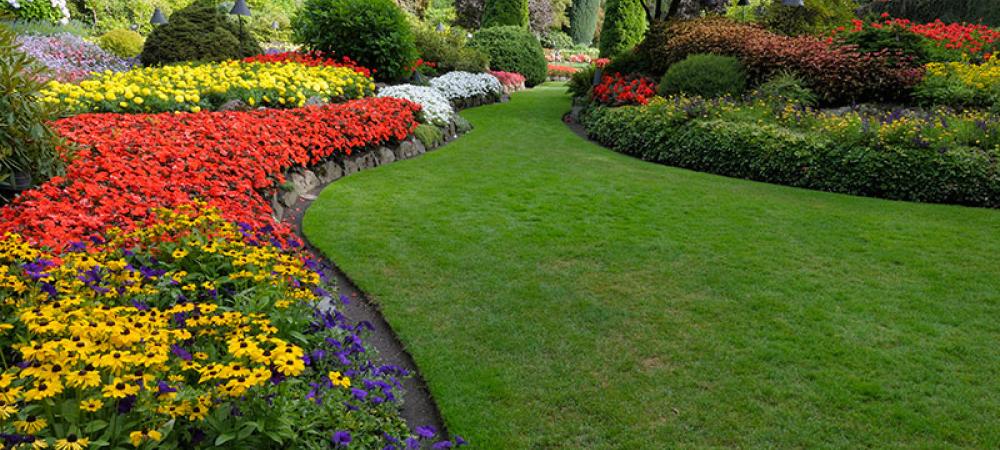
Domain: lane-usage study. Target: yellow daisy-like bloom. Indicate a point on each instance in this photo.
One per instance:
(30, 424)
(72, 442)
(43, 390)
(339, 380)
(119, 388)
(138, 437)
(179, 253)
(7, 411)
(91, 405)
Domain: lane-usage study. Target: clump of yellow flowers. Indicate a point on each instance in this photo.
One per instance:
(197, 87)
(126, 340)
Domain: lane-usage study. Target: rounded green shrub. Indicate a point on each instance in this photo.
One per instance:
(705, 75)
(500, 13)
(375, 33)
(199, 32)
(513, 49)
(784, 88)
(122, 43)
(449, 51)
(556, 39)
(817, 16)
(624, 26)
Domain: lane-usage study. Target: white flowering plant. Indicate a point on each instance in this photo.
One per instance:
(436, 108)
(54, 11)
(462, 85)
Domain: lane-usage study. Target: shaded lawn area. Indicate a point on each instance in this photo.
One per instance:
(558, 295)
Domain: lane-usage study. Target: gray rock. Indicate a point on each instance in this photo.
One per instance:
(367, 161)
(418, 147)
(329, 172)
(289, 198)
(316, 101)
(385, 156)
(235, 105)
(350, 166)
(406, 150)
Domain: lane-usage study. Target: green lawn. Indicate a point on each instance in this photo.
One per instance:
(558, 295)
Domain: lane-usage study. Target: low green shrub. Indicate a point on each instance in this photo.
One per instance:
(556, 40)
(199, 32)
(27, 143)
(706, 76)
(513, 49)
(449, 51)
(892, 38)
(122, 43)
(786, 88)
(46, 28)
(429, 135)
(581, 82)
(375, 33)
(36, 10)
(917, 156)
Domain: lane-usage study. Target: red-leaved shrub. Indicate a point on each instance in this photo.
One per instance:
(838, 74)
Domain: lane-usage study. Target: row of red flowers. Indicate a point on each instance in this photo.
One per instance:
(973, 39)
(128, 164)
(619, 90)
(556, 70)
(310, 58)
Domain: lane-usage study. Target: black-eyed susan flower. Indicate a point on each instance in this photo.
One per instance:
(138, 437)
(30, 425)
(91, 405)
(7, 411)
(72, 442)
(119, 388)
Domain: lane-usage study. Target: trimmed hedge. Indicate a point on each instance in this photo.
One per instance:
(684, 135)
(500, 13)
(624, 26)
(706, 76)
(122, 43)
(375, 33)
(513, 49)
(199, 32)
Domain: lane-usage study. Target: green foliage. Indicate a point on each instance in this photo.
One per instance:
(461, 124)
(786, 88)
(46, 28)
(374, 33)
(892, 38)
(952, 91)
(816, 16)
(122, 43)
(624, 26)
(27, 144)
(449, 51)
(583, 20)
(429, 135)
(513, 49)
(705, 75)
(32, 10)
(556, 39)
(560, 14)
(500, 13)
(632, 62)
(916, 160)
(579, 83)
(199, 32)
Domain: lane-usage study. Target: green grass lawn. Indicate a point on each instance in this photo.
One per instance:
(558, 295)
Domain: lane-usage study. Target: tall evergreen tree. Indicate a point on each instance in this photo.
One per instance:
(624, 26)
(583, 20)
(500, 13)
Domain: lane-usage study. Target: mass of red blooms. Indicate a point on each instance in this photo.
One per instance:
(556, 70)
(619, 90)
(127, 164)
(509, 79)
(312, 58)
(973, 39)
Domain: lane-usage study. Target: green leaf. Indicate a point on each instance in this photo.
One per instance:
(223, 438)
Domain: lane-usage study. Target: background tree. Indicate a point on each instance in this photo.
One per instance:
(583, 20)
(624, 26)
(500, 13)
(540, 15)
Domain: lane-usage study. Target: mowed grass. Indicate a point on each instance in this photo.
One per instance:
(558, 295)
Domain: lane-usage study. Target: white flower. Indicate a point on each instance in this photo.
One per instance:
(14, 4)
(436, 108)
(459, 85)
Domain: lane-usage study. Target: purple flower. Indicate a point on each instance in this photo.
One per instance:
(180, 351)
(342, 438)
(442, 444)
(426, 432)
(459, 441)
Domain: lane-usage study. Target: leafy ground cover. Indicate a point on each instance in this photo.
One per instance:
(559, 295)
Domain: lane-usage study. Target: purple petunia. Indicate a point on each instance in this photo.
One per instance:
(342, 438)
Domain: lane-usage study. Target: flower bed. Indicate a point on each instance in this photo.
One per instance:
(937, 157)
(961, 84)
(511, 81)
(618, 90)
(153, 302)
(561, 72)
(465, 85)
(196, 87)
(435, 108)
(311, 59)
(972, 40)
(69, 58)
(128, 164)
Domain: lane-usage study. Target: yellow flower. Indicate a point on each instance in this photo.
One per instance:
(7, 410)
(339, 380)
(137, 437)
(72, 442)
(30, 424)
(91, 405)
(120, 389)
(179, 253)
